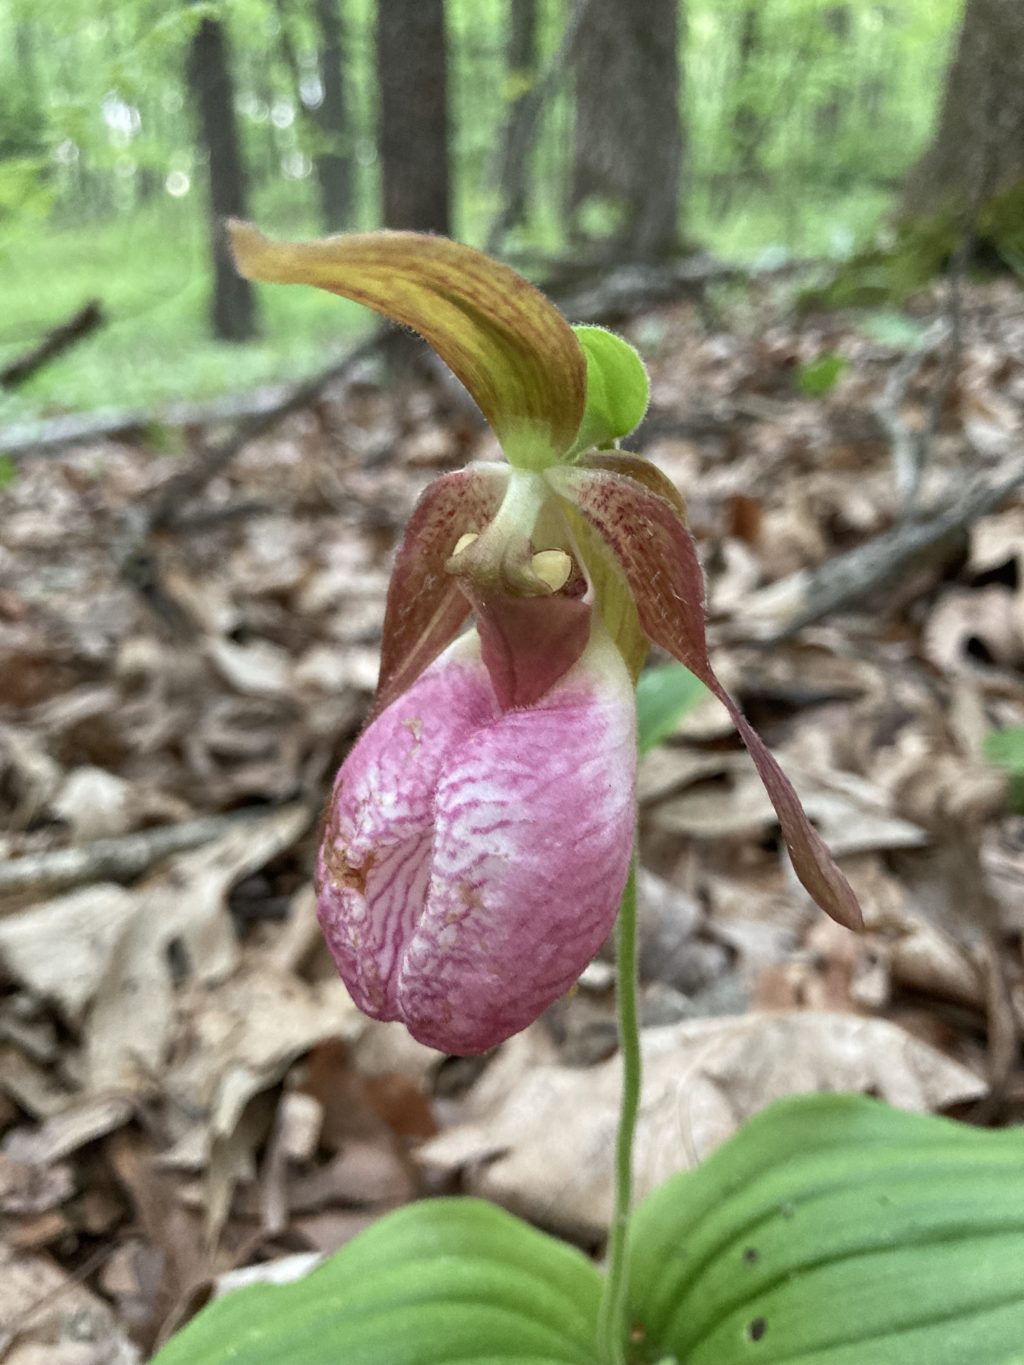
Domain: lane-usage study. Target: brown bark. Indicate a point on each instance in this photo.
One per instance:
(521, 73)
(334, 166)
(978, 148)
(412, 127)
(628, 145)
(208, 73)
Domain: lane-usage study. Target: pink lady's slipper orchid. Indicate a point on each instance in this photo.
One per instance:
(479, 835)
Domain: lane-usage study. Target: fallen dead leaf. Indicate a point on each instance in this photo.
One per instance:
(27, 1188)
(702, 1079)
(29, 776)
(257, 669)
(185, 904)
(64, 1133)
(94, 804)
(47, 1318)
(60, 950)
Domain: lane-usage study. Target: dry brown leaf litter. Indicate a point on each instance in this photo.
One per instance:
(185, 1087)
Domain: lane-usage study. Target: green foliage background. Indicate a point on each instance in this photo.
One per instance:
(796, 147)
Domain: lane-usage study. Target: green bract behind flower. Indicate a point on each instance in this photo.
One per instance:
(617, 389)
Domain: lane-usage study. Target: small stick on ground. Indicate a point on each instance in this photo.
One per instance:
(842, 582)
(55, 343)
(119, 859)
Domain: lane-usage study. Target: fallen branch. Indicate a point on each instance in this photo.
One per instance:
(183, 487)
(135, 553)
(78, 326)
(604, 294)
(51, 435)
(849, 578)
(120, 859)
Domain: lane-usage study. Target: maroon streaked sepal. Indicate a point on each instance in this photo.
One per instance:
(659, 560)
(426, 607)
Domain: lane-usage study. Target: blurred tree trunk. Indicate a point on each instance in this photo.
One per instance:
(412, 126)
(628, 146)
(334, 167)
(25, 49)
(836, 20)
(521, 58)
(331, 163)
(746, 126)
(208, 73)
(978, 148)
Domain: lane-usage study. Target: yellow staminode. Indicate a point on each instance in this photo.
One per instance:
(552, 567)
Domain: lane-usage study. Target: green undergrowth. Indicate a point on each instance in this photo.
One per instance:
(900, 259)
(150, 271)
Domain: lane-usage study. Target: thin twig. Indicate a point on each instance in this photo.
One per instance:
(849, 578)
(55, 343)
(183, 487)
(909, 447)
(134, 548)
(119, 859)
(12, 1330)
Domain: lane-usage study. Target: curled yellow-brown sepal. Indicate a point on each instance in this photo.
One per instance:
(508, 344)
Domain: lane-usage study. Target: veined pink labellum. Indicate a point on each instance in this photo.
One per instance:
(474, 856)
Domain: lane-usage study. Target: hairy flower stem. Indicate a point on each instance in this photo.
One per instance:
(612, 1327)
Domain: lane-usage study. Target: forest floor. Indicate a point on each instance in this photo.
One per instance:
(185, 1087)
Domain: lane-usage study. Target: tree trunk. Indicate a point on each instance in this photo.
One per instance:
(521, 73)
(334, 165)
(208, 72)
(836, 20)
(978, 148)
(628, 148)
(747, 124)
(412, 126)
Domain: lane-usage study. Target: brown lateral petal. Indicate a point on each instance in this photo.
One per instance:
(426, 606)
(509, 345)
(660, 562)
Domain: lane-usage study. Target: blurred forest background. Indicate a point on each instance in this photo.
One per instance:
(545, 130)
(808, 216)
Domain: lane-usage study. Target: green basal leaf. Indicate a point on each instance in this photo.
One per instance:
(617, 389)
(664, 694)
(834, 1230)
(439, 1281)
